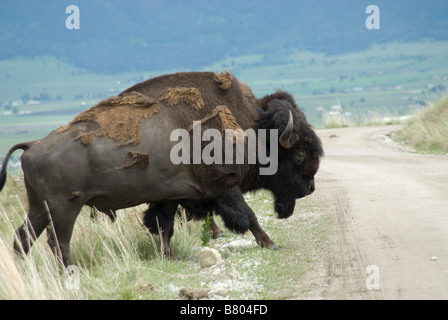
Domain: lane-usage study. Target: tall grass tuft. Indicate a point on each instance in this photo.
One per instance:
(342, 120)
(337, 121)
(39, 276)
(119, 260)
(428, 131)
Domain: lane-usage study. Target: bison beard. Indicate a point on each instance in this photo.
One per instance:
(284, 207)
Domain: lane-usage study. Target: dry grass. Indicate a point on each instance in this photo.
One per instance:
(118, 260)
(337, 121)
(122, 260)
(428, 130)
(342, 120)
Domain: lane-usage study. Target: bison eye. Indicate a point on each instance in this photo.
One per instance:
(299, 156)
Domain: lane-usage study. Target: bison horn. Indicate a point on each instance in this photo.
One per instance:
(285, 139)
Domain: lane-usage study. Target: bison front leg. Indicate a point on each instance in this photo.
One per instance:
(239, 217)
(159, 219)
(216, 232)
(261, 237)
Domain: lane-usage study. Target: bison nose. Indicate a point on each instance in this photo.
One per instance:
(311, 187)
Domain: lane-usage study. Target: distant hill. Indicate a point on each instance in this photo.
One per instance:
(118, 36)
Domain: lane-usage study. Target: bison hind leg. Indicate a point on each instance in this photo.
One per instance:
(36, 221)
(159, 218)
(29, 231)
(63, 217)
(156, 219)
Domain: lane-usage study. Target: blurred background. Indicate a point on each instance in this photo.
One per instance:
(320, 51)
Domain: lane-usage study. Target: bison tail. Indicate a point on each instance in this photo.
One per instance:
(23, 146)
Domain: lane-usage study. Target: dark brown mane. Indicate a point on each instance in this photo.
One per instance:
(279, 95)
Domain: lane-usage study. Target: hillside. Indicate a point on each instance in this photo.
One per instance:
(117, 36)
(38, 95)
(428, 131)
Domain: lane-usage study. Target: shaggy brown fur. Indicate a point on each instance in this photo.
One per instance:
(140, 160)
(121, 125)
(189, 95)
(225, 79)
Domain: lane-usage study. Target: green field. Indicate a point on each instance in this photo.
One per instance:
(386, 80)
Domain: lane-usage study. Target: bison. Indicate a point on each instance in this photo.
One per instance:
(118, 154)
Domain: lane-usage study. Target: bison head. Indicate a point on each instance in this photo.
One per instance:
(298, 154)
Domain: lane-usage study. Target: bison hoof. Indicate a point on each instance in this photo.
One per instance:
(221, 234)
(272, 246)
(268, 245)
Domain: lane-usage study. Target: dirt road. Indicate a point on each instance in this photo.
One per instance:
(390, 239)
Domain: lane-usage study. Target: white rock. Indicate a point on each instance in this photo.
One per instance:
(219, 289)
(173, 288)
(434, 258)
(208, 257)
(240, 244)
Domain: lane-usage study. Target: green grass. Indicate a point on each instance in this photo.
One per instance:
(122, 260)
(427, 131)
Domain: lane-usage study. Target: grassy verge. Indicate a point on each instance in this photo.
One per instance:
(121, 260)
(428, 131)
(341, 120)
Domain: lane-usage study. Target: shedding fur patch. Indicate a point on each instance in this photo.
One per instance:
(180, 94)
(139, 160)
(224, 78)
(228, 121)
(86, 138)
(62, 129)
(118, 117)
